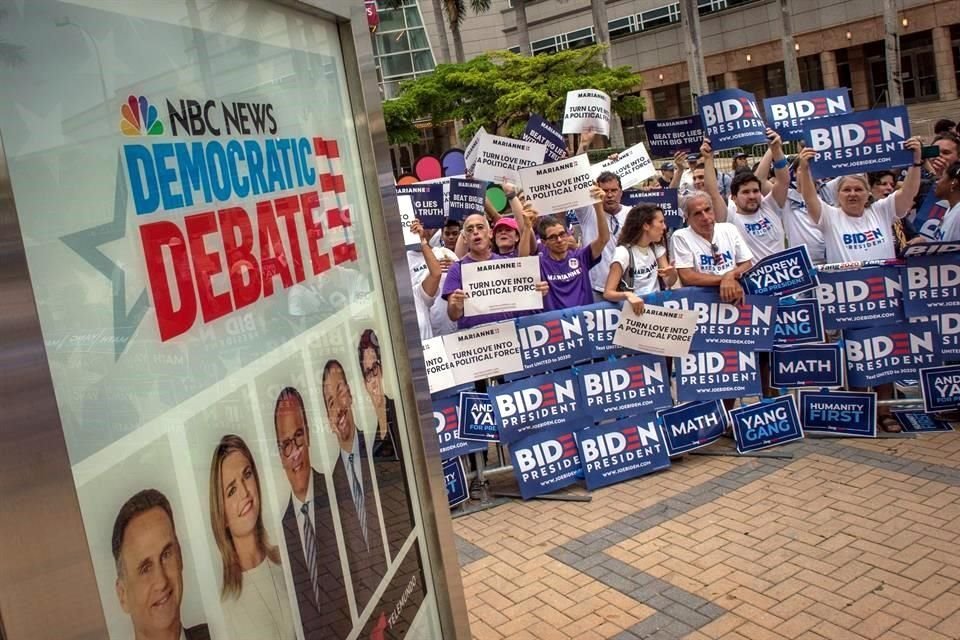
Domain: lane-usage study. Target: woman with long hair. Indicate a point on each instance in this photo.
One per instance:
(640, 260)
(254, 594)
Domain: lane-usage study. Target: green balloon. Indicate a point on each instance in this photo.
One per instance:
(497, 198)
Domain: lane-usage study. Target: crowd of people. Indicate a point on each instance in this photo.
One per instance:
(617, 253)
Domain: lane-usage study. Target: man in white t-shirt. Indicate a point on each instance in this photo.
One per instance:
(708, 253)
(616, 216)
(757, 217)
(425, 272)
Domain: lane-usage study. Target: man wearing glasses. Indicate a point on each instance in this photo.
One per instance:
(312, 552)
(566, 270)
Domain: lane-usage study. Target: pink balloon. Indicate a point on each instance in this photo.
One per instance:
(428, 168)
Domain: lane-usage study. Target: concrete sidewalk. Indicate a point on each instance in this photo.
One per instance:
(849, 539)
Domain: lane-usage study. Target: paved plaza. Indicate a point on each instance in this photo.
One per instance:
(846, 539)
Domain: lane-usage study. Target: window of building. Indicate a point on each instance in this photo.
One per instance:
(811, 73)
(918, 68)
(774, 80)
(401, 47)
(659, 17)
(579, 38)
(844, 76)
(715, 82)
(546, 45)
(709, 6)
(873, 54)
(622, 26)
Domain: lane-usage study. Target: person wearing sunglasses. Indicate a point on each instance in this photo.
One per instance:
(708, 253)
(566, 270)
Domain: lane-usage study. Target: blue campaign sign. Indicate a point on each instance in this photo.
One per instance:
(930, 248)
(709, 375)
(876, 355)
(806, 365)
(666, 199)
(455, 478)
(786, 113)
(624, 386)
(731, 119)
(767, 423)
(666, 137)
(552, 340)
(745, 326)
(619, 451)
(940, 387)
(477, 419)
(545, 461)
(798, 322)
(692, 425)
(931, 284)
(917, 422)
(929, 215)
(784, 273)
(865, 297)
(600, 322)
(466, 197)
(427, 202)
(859, 141)
(447, 424)
(537, 403)
(541, 131)
(949, 326)
(845, 413)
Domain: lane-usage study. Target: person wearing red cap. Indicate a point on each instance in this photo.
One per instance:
(506, 236)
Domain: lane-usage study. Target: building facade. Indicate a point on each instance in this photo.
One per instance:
(838, 43)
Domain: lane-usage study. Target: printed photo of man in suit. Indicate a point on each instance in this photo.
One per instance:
(149, 564)
(313, 554)
(353, 480)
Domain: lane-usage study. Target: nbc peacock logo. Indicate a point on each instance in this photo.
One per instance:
(138, 117)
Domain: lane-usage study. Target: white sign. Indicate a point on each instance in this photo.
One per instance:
(587, 108)
(658, 330)
(484, 352)
(496, 286)
(439, 368)
(633, 166)
(470, 153)
(559, 186)
(407, 216)
(499, 158)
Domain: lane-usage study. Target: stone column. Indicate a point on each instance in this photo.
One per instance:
(648, 111)
(943, 54)
(730, 80)
(828, 67)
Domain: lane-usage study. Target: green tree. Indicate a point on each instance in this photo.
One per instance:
(499, 90)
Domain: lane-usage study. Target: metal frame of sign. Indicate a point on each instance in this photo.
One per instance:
(60, 589)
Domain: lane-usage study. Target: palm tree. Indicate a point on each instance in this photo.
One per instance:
(520, 10)
(441, 30)
(456, 11)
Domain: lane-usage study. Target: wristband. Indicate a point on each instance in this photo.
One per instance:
(780, 164)
(918, 164)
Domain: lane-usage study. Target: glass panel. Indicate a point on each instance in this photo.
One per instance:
(423, 61)
(391, 89)
(580, 38)
(228, 330)
(878, 82)
(547, 45)
(418, 39)
(413, 17)
(658, 17)
(396, 42)
(927, 75)
(620, 27)
(396, 65)
(391, 20)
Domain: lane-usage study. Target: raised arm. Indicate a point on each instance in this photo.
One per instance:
(807, 188)
(603, 226)
(780, 170)
(905, 195)
(679, 166)
(528, 243)
(763, 170)
(431, 283)
(710, 183)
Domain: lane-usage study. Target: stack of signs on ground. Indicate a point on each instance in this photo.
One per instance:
(878, 355)
(767, 423)
(918, 422)
(711, 375)
(621, 450)
(692, 425)
(840, 413)
(447, 425)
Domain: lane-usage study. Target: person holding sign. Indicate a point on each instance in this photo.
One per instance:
(708, 253)
(640, 260)
(757, 217)
(478, 237)
(425, 274)
(856, 230)
(566, 269)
